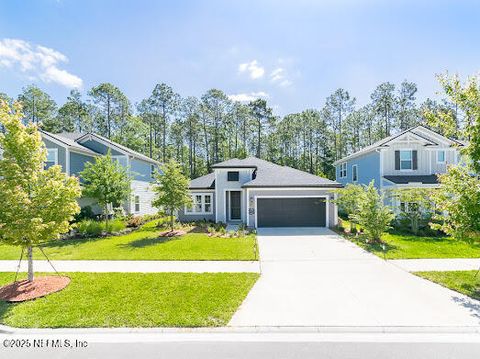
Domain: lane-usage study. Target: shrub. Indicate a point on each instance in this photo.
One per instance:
(85, 213)
(116, 225)
(89, 227)
(135, 221)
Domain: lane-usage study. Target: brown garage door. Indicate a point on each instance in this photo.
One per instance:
(291, 212)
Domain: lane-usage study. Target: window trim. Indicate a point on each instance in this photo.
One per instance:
(342, 170)
(355, 173)
(233, 172)
(55, 151)
(444, 156)
(411, 159)
(136, 203)
(190, 210)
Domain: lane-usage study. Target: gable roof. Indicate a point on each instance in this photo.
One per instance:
(204, 182)
(69, 142)
(118, 146)
(268, 174)
(414, 130)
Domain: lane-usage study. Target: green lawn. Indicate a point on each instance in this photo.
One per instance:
(133, 300)
(144, 244)
(404, 246)
(461, 281)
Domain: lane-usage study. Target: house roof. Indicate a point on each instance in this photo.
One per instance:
(204, 182)
(406, 179)
(268, 174)
(69, 141)
(384, 142)
(119, 146)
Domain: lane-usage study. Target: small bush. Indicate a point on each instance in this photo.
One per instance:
(116, 225)
(135, 221)
(85, 213)
(89, 227)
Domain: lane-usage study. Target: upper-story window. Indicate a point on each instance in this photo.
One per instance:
(355, 173)
(232, 176)
(343, 170)
(52, 157)
(406, 160)
(441, 156)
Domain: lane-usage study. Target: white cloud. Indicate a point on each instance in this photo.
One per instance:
(279, 76)
(253, 68)
(247, 97)
(37, 61)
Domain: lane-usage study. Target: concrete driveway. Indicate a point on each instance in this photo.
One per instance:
(313, 277)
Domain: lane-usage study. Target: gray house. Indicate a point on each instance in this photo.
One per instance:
(262, 194)
(73, 150)
(409, 159)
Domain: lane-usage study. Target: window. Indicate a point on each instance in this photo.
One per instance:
(152, 171)
(201, 204)
(137, 203)
(441, 156)
(52, 157)
(232, 176)
(406, 160)
(409, 207)
(343, 170)
(354, 173)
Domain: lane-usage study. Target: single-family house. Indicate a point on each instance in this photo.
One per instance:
(262, 194)
(73, 150)
(409, 159)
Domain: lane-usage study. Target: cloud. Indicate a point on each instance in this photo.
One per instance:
(247, 97)
(37, 61)
(279, 76)
(253, 68)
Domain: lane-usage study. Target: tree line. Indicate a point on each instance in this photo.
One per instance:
(198, 132)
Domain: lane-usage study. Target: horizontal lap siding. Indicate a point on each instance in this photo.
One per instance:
(182, 217)
(145, 192)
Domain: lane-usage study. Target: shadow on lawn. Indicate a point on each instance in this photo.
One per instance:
(149, 241)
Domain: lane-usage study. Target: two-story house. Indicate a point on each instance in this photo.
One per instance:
(73, 150)
(262, 194)
(411, 158)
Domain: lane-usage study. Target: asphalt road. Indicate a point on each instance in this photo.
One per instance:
(258, 346)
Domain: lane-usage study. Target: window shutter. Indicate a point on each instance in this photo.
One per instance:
(414, 159)
(397, 160)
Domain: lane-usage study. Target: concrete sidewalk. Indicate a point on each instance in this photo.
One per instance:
(135, 266)
(447, 264)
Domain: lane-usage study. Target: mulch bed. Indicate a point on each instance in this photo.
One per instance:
(24, 290)
(174, 233)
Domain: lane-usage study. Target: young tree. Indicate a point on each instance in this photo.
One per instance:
(417, 206)
(171, 189)
(106, 181)
(457, 201)
(348, 200)
(372, 215)
(36, 204)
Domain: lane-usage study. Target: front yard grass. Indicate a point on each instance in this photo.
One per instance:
(464, 282)
(133, 300)
(407, 246)
(145, 244)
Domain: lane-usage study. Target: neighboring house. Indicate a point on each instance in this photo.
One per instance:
(410, 159)
(262, 194)
(73, 150)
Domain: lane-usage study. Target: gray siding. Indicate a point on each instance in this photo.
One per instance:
(141, 170)
(61, 153)
(331, 210)
(99, 147)
(78, 161)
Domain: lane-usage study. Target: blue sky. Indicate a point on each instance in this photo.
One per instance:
(295, 53)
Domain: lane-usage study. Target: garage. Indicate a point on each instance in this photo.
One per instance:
(291, 212)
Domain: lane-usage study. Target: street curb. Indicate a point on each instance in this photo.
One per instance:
(253, 330)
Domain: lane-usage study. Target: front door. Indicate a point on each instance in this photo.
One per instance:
(235, 205)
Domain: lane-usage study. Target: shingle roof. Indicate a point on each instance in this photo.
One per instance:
(204, 182)
(121, 147)
(269, 174)
(406, 179)
(70, 142)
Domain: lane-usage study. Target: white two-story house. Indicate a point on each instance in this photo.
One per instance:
(412, 158)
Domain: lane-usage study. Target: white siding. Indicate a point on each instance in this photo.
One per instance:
(145, 192)
(222, 185)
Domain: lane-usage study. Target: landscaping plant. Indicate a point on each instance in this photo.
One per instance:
(106, 181)
(171, 190)
(348, 200)
(36, 204)
(417, 208)
(373, 215)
